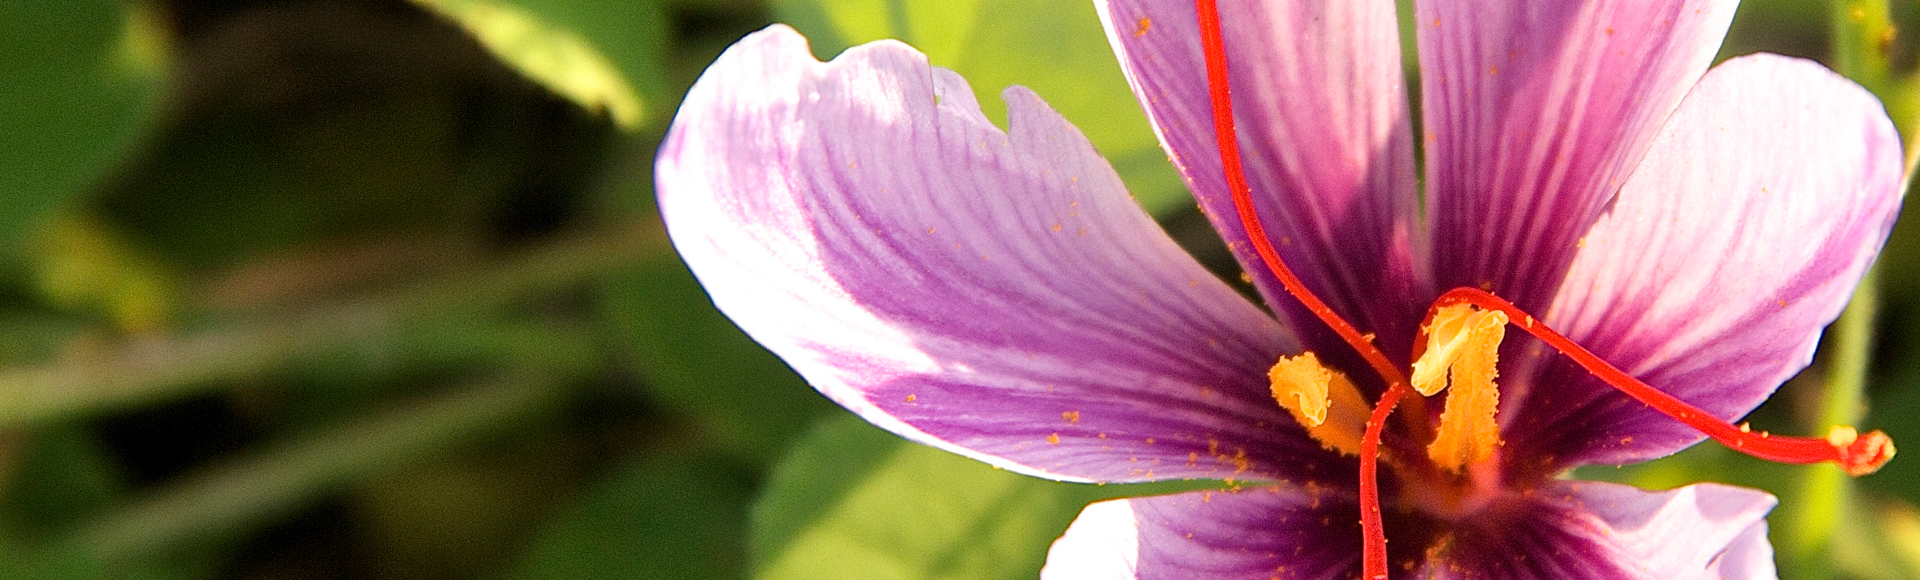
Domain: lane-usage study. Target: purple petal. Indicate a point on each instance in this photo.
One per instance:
(1535, 113)
(1742, 235)
(1272, 532)
(994, 294)
(1576, 530)
(1748, 557)
(1320, 103)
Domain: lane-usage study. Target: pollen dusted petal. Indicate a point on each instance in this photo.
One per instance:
(1255, 533)
(838, 212)
(1588, 530)
(1468, 342)
(1322, 400)
(1534, 113)
(1739, 238)
(1343, 211)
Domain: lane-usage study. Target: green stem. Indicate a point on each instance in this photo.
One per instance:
(223, 500)
(151, 369)
(1863, 34)
(1844, 400)
(1825, 494)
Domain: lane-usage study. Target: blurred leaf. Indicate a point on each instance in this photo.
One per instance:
(699, 363)
(1880, 541)
(83, 265)
(466, 511)
(852, 501)
(220, 501)
(147, 369)
(33, 566)
(1894, 412)
(77, 95)
(56, 477)
(554, 55)
(73, 566)
(634, 35)
(31, 336)
(1055, 47)
(670, 517)
(1790, 27)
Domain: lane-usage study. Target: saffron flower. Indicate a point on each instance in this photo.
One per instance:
(997, 294)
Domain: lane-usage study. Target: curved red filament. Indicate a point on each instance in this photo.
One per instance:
(1373, 532)
(1859, 454)
(1213, 45)
(1215, 48)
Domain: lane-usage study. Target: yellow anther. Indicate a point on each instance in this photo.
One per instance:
(1300, 385)
(1463, 351)
(1842, 436)
(1454, 330)
(1322, 400)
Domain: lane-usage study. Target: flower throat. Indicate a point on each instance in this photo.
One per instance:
(1457, 344)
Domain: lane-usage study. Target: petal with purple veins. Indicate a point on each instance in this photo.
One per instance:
(1535, 113)
(1575, 530)
(1742, 235)
(1321, 106)
(992, 293)
(1250, 534)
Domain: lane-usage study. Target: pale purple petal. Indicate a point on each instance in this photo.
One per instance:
(1103, 543)
(1321, 106)
(1748, 557)
(997, 295)
(1251, 534)
(1535, 113)
(1576, 530)
(1741, 236)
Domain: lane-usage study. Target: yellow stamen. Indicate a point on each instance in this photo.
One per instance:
(1463, 345)
(1322, 400)
(1450, 334)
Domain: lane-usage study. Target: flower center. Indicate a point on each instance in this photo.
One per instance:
(1461, 357)
(1468, 340)
(1462, 353)
(1463, 344)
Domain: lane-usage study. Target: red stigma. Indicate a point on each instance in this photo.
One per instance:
(1213, 44)
(1859, 454)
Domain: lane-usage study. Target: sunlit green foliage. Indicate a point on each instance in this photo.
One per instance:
(375, 289)
(1055, 47)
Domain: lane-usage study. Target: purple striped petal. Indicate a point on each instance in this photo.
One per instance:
(1535, 113)
(1321, 107)
(1742, 235)
(1575, 530)
(994, 294)
(1252, 534)
(1568, 530)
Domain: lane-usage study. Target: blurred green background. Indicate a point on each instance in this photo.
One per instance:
(375, 289)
